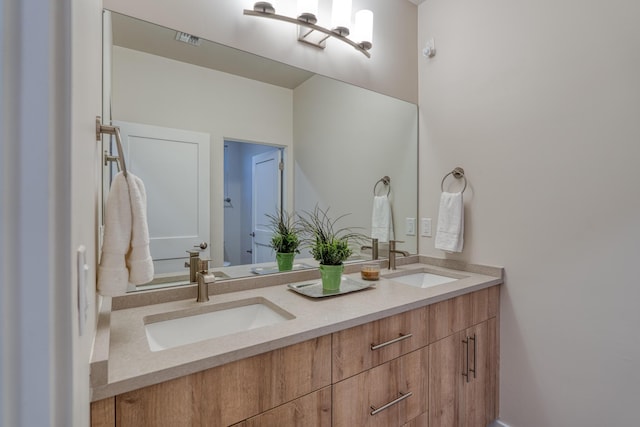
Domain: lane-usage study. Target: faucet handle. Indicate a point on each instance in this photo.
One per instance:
(193, 253)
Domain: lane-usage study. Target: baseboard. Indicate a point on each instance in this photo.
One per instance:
(498, 423)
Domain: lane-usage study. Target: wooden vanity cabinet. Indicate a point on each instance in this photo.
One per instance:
(340, 379)
(463, 363)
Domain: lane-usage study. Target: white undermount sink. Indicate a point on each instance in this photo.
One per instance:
(420, 279)
(168, 330)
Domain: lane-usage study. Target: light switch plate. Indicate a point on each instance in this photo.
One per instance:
(83, 302)
(425, 227)
(410, 226)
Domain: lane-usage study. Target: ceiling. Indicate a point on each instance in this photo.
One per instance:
(151, 38)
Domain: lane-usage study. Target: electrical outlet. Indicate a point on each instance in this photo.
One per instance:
(410, 226)
(425, 227)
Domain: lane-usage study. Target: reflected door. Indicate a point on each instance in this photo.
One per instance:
(174, 166)
(266, 193)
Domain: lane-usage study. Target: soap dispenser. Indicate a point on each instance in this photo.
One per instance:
(204, 278)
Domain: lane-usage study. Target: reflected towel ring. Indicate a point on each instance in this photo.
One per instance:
(384, 180)
(458, 173)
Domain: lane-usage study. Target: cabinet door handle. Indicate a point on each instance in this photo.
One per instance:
(474, 355)
(393, 341)
(465, 372)
(393, 402)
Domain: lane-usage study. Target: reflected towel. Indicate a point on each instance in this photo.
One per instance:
(450, 231)
(125, 250)
(381, 219)
(138, 258)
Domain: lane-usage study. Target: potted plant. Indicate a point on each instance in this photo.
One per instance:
(285, 240)
(329, 245)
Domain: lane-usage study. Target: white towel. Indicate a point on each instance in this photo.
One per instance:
(450, 231)
(139, 261)
(125, 252)
(381, 219)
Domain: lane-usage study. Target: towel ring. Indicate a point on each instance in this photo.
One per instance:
(385, 180)
(458, 173)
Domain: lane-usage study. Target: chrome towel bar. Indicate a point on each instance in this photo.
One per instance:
(112, 130)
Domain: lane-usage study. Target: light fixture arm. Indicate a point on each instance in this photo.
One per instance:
(360, 47)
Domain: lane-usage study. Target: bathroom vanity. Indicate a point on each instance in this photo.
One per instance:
(389, 355)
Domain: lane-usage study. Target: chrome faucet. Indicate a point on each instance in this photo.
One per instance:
(373, 247)
(194, 259)
(204, 278)
(392, 253)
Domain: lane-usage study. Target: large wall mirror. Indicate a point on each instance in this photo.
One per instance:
(200, 120)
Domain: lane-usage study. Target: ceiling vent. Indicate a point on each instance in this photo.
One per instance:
(188, 38)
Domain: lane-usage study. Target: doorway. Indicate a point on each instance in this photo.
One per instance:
(252, 187)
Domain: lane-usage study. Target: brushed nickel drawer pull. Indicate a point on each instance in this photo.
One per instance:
(474, 355)
(465, 373)
(393, 402)
(393, 341)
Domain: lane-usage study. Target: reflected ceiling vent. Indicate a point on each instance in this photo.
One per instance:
(188, 38)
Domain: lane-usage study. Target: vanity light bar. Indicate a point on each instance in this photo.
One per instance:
(306, 28)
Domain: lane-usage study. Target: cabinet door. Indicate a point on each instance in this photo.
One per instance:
(361, 400)
(456, 314)
(462, 377)
(103, 413)
(362, 347)
(478, 395)
(445, 379)
(312, 410)
(230, 393)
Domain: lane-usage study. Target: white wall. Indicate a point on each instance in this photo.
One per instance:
(50, 89)
(154, 90)
(362, 137)
(392, 68)
(85, 181)
(539, 102)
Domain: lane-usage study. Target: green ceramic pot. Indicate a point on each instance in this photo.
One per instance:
(331, 276)
(285, 261)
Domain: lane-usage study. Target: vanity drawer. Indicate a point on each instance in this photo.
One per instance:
(390, 394)
(363, 347)
(312, 410)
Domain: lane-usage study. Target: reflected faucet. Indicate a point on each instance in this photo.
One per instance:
(373, 247)
(194, 259)
(392, 253)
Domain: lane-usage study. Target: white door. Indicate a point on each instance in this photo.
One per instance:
(174, 166)
(266, 184)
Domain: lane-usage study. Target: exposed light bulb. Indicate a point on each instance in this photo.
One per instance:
(341, 17)
(308, 11)
(363, 30)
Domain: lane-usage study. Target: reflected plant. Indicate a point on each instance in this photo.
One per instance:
(286, 230)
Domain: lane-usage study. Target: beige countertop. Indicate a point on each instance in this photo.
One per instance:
(122, 360)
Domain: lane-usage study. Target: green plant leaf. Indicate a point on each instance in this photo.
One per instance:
(328, 244)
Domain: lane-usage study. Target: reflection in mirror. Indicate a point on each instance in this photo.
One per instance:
(330, 143)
